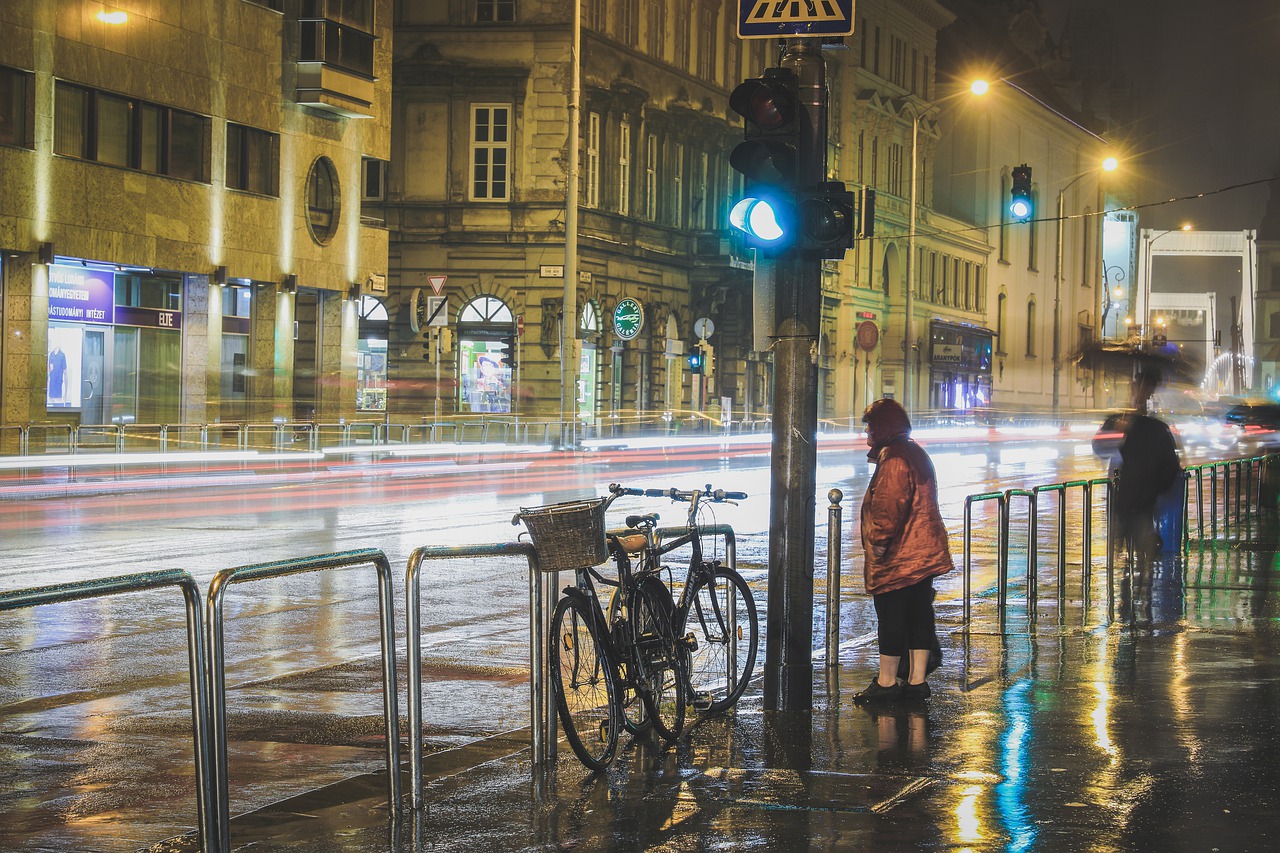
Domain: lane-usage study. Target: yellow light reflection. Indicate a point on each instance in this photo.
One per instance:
(969, 827)
(114, 18)
(1101, 716)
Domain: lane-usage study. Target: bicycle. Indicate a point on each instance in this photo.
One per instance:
(606, 674)
(714, 614)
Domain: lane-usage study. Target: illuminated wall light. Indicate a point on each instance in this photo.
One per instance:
(114, 18)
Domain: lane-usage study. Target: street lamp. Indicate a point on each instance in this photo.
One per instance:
(1109, 164)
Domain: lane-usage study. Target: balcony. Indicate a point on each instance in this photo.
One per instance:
(335, 58)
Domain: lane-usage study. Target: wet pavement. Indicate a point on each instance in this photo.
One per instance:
(1159, 738)
(1157, 732)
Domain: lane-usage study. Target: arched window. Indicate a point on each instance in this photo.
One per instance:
(1001, 308)
(589, 319)
(488, 352)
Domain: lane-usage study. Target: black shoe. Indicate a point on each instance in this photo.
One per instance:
(916, 691)
(875, 693)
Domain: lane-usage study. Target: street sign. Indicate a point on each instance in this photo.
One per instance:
(437, 311)
(436, 282)
(628, 318)
(704, 328)
(760, 19)
(868, 335)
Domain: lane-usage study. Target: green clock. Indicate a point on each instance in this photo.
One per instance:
(628, 318)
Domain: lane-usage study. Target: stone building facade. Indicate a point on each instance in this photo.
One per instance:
(180, 231)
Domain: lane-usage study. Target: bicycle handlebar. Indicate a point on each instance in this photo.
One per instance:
(707, 494)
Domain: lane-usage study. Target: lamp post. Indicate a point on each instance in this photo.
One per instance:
(1108, 165)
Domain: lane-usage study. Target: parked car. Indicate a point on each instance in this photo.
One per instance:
(1259, 423)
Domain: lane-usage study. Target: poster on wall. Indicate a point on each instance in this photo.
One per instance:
(66, 352)
(81, 295)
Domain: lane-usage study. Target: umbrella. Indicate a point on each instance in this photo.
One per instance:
(1132, 357)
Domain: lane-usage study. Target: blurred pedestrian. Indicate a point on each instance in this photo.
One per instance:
(1149, 475)
(905, 545)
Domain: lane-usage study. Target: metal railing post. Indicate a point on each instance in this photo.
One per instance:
(216, 664)
(833, 577)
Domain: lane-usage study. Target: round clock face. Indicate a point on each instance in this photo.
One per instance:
(868, 335)
(417, 310)
(628, 318)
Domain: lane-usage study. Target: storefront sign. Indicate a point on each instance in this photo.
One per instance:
(947, 353)
(152, 318)
(628, 318)
(81, 295)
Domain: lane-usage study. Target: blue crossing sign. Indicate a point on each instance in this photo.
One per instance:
(761, 19)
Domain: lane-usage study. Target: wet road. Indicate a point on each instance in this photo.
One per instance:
(93, 711)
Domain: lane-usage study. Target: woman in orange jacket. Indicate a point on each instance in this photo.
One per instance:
(905, 542)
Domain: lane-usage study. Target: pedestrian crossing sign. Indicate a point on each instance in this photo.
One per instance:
(759, 19)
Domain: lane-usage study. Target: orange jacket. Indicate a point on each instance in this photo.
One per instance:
(903, 534)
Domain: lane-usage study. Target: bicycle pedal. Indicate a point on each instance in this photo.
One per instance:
(701, 701)
(691, 642)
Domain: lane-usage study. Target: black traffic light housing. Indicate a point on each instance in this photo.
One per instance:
(1021, 206)
(768, 159)
(507, 351)
(824, 221)
(868, 212)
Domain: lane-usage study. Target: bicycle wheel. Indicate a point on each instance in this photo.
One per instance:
(582, 678)
(635, 714)
(657, 657)
(722, 631)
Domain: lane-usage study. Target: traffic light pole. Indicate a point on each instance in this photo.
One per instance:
(788, 662)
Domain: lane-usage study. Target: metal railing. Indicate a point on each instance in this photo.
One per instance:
(541, 709)
(217, 665)
(197, 671)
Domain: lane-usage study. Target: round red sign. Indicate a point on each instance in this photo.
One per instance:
(868, 335)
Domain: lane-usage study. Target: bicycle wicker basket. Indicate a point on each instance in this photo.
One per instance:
(567, 535)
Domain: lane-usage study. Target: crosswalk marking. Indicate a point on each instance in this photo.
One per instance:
(791, 11)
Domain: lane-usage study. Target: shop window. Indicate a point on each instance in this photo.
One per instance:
(371, 347)
(143, 290)
(253, 158)
(15, 104)
(486, 335)
(237, 301)
(323, 200)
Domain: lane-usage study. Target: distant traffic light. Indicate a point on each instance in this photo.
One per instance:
(696, 360)
(507, 351)
(868, 212)
(1021, 206)
(767, 158)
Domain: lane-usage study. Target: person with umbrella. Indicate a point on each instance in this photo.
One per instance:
(1149, 470)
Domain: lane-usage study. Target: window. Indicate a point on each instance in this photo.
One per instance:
(624, 169)
(495, 11)
(489, 152)
(897, 61)
(1031, 328)
(323, 200)
(337, 33)
(1032, 232)
(1001, 307)
(707, 43)
(253, 158)
(593, 15)
(700, 202)
(629, 23)
(875, 54)
(681, 59)
(656, 28)
(373, 179)
(895, 168)
(651, 178)
(121, 131)
(915, 64)
(925, 77)
(591, 186)
(861, 151)
(677, 218)
(15, 97)
(873, 178)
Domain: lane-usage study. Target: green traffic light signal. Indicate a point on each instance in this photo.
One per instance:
(767, 159)
(695, 360)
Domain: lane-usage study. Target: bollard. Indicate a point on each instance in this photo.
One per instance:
(833, 577)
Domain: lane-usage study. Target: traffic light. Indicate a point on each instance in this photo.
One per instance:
(767, 158)
(507, 351)
(696, 360)
(1021, 207)
(825, 218)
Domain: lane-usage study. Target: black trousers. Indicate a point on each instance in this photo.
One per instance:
(904, 618)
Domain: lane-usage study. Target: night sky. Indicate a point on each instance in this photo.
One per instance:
(1206, 75)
